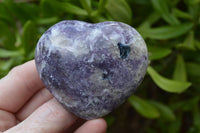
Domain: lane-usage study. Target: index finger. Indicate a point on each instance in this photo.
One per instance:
(18, 86)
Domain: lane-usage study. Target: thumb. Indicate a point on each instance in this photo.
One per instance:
(51, 117)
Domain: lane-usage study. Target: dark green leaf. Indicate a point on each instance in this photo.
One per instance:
(101, 5)
(193, 69)
(151, 19)
(156, 53)
(22, 11)
(8, 53)
(180, 70)
(166, 32)
(86, 5)
(61, 7)
(194, 9)
(161, 6)
(7, 36)
(174, 127)
(168, 84)
(185, 105)
(3, 73)
(193, 2)
(144, 107)
(119, 10)
(70, 8)
(181, 14)
(197, 43)
(29, 37)
(51, 7)
(165, 112)
(196, 116)
(5, 14)
(109, 120)
(188, 42)
(50, 20)
(6, 65)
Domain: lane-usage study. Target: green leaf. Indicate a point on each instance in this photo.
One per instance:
(193, 2)
(168, 84)
(197, 43)
(86, 5)
(22, 11)
(166, 32)
(174, 127)
(161, 6)
(70, 8)
(180, 70)
(193, 69)
(156, 53)
(165, 112)
(58, 7)
(6, 65)
(5, 15)
(189, 42)
(51, 7)
(119, 10)
(49, 20)
(194, 9)
(29, 37)
(144, 107)
(8, 53)
(185, 105)
(7, 36)
(109, 120)
(181, 14)
(101, 5)
(151, 19)
(196, 116)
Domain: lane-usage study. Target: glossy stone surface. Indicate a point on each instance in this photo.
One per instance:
(91, 68)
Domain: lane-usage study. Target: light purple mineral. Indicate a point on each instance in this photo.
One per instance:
(91, 68)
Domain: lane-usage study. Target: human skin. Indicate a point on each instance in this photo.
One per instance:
(26, 106)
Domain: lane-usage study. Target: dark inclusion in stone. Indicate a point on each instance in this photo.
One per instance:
(105, 76)
(91, 68)
(124, 50)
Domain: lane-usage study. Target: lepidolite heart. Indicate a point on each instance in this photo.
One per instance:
(91, 68)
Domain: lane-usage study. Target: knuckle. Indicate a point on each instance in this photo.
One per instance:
(54, 111)
(45, 94)
(15, 71)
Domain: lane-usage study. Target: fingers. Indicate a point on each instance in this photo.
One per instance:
(93, 126)
(7, 120)
(51, 117)
(36, 101)
(18, 86)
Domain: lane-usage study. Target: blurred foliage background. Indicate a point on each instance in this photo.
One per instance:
(168, 99)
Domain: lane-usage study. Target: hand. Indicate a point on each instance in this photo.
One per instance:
(27, 107)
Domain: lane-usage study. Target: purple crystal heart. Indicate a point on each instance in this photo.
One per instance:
(91, 68)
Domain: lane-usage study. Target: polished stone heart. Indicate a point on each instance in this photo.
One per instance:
(91, 68)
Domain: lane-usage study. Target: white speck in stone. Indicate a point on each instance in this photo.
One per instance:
(105, 37)
(103, 56)
(114, 36)
(105, 72)
(42, 67)
(91, 59)
(94, 34)
(92, 65)
(78, 48)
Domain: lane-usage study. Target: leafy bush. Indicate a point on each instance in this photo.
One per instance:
(168, 99)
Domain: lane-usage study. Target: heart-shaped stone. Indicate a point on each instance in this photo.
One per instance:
(91, 68)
